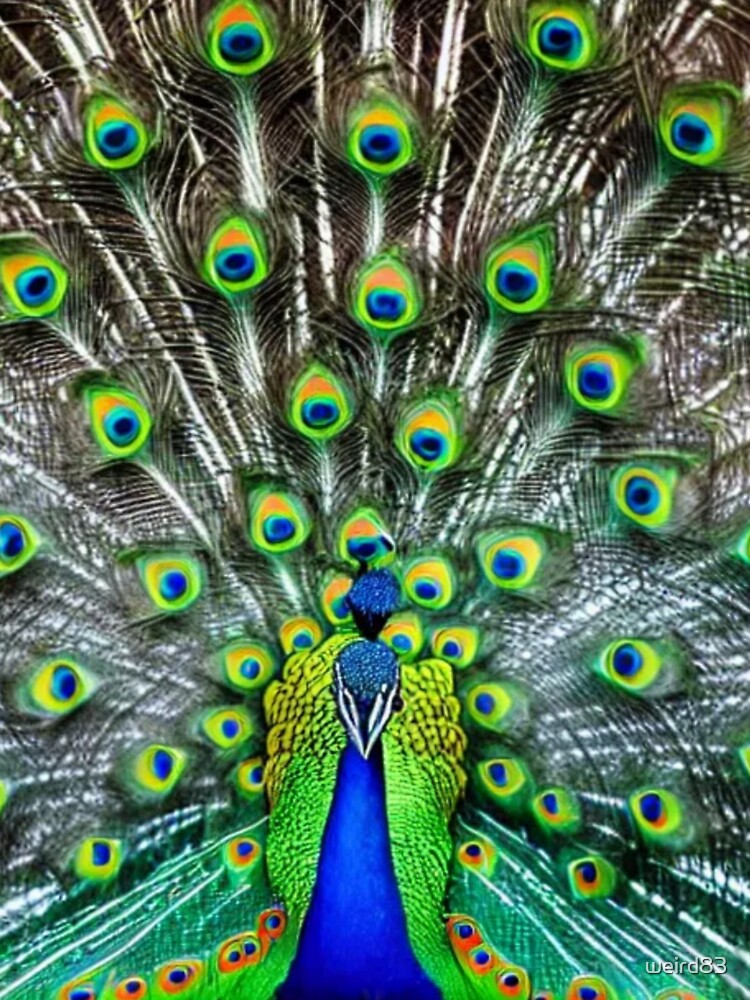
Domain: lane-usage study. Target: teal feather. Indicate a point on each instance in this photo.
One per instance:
(420, 324)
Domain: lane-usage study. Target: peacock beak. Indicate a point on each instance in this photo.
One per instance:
(364, 722)
(365, 683)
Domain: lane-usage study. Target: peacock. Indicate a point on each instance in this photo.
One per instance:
(374, 499)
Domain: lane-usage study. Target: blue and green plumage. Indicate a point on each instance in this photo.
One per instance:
(373, 500)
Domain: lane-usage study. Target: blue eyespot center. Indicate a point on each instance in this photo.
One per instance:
(511, 979)
(484, 703)
(177, 976)
(81, 993)
(651, 807)
(132, 986)
(278, 529)
(245, 848)
(427, 590)
(427, 444)
(366, 549)
(121, 425)
(386, 305)
(256, 775)
(319, 413)
(101, 854)
(587, 871)
(588, 993)
(273, 922)
(12, 541)
(627, 660)
(250, 947)
(234, 956)
(464, 931)
(691, 135)
(230, 728)
(516, 282)
(498, 773)
(235, 263)
(36, 285)
(451, 648)
(64, 683)
(401, 642)
(173, 585)
(303, 640)
(595, 380)
(482, 957)
(380, 144)
(162, 764)
(550, 803)
(241, 43)
(641, 495)
(250, 668)
(473, 850)
(560, 38)
(508, 564)
(116, 139)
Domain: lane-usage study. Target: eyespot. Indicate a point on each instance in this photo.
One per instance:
(236, 259)
(479, 855)
(598, 377)
(428, 435)
(240, 39)
(430, 582)
(513, 981)
(300, 635)
(247, 666)
(98, 859)
(333, 599)
(132, 988)
(120, 422)
(497, 707)
(364, 539)
(644, 495)
(34, 283)
(57, 687)
(249, 777)
(482, 960)
(457, 644)
(79, 990)
(172, 582)
(279, 522)
(518, 274)
(557, 810)
(386, 299)
(591, 877)
(659, 816)
(589, 988)
(463, 933)
(19, 542)
(179, 977)
(641, 667)
(320, 405)
(505, 781)
(272, 923)
(380, 140)
(562, 36)
(512, 560)
(158, 768)
(239, 952)
(241, 855)
(694, 124)
(227, 728)
(114, 137)
(405, 636)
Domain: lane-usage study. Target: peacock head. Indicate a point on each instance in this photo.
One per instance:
(366, 673)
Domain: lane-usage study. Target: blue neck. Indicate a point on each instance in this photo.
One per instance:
(353, 941)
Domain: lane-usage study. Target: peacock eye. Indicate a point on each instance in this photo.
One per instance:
(236, 259)
(562, 36)
(320, 405)
(333, 599)
(641, 667)
(240, 39)
(644, 495)
(272, 923)
(386, 298)
(57, 687)
(247, 666)
(591, 877)
(495, 706)
(158, 768)
(518, 275)
(557, 809)
(513, 982)
(279, 522)
(173, 582)
(428, 436)
(404, 634)
(239, 952)
(430, 582)
(504, 781)
(249, 777)
(132, 988)
(34, 283)
(114, 137)
(659, 816)
(458, 644)
(241, 853)
(598, 377)
(18, 542)
(120, 422)
(590, 988)
(694, 125)
(227, 728)
(511, 560)
(98, 859)
(299, 635)
(178, 977)
(364, 539)
(380, 140)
